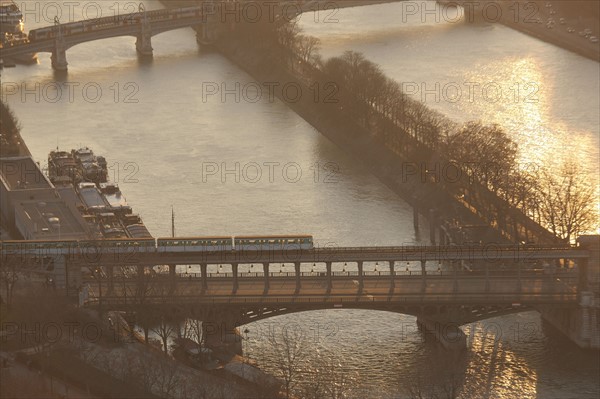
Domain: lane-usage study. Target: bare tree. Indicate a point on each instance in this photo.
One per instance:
(290, 351)
(164, 330)
(486, 150)
(308, 48)
(568, 202)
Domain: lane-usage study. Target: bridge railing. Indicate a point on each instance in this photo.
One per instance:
(478, 298)
(540, 274)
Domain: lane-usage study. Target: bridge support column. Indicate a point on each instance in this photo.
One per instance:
(423, 276)
(67, 276)
(205, 34)
(445, 332)
(220, 330)
(329, 278)
(172, 278)
(266, 273)
(432, 226)
(519, 280)
(392, 276)
(415, 216)
(580, 324)
(143, 44)
(141, 283)
(204, 276)
(59, 55)
(297, 270)
(234, 269)
(361, 277)
(474, 15)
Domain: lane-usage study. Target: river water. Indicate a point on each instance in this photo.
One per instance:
(238, 166)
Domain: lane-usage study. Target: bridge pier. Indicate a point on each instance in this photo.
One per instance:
(423, 276)
(415, 215)
(445, 332)
(361, 277)
(220, 328)
(65, 277)
(234, 270)
(172, 278)
(205, 34)
(266, 273)
(474, 14)
(297, 270)
(581, 323)
(59, 55)
(143, 44)
(329, 277)
(433, 225)
(392, 275)
(204, 276)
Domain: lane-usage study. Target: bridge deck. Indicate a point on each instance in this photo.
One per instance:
(407, 290)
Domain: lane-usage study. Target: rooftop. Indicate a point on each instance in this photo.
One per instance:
(22, 173)
(48, 219)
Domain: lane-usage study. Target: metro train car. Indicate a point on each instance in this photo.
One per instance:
(117, 246)
(93, 248)
(194, 244)
(257, 243)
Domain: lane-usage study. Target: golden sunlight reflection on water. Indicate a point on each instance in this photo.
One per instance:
(500, 368)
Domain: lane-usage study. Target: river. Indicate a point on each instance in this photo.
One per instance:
(231, 166)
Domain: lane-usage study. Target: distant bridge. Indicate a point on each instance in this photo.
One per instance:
(143, 25)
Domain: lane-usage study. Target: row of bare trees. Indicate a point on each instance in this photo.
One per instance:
(561, 198)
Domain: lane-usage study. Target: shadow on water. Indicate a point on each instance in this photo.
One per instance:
(60, 76)
(436, 372)
(562, 368)
(145, 60)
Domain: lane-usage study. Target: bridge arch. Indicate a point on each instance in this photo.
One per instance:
(457, 314)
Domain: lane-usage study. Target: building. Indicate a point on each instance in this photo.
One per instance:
(32, 207)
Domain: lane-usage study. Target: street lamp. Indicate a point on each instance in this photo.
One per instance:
(98, 273)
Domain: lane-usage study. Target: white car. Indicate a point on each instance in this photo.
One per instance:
(594, 39)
